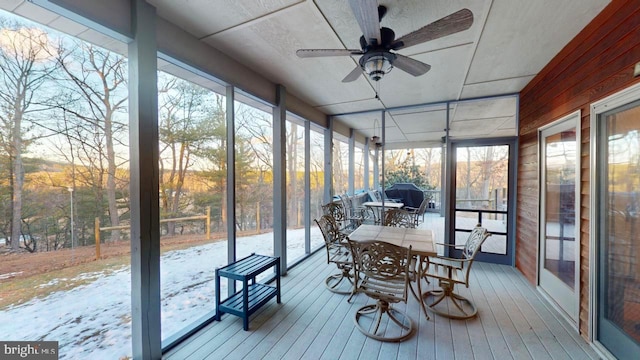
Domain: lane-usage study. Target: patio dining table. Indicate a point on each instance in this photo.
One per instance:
(421, 242)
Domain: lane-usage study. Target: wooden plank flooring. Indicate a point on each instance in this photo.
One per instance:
(514, 322)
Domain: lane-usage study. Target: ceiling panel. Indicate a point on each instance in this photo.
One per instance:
(509, 124)
(422, 122)
(435, 136)
(104, 41)
(495, 87)
(521, 37)
(67, 26)
(268, 46)
(206, 17)
(351, 106)
(364, 123)
(475, 128)
(443, 82)
(394, 134)
(418, 109)
(10, 5)
(482, 109)
(35, 13)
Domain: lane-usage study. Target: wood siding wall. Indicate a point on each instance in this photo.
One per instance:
(599, 61)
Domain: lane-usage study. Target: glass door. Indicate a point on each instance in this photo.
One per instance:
(483, 176)
(618, 234)
(559, 250)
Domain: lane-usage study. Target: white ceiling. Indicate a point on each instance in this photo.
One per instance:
(509, 42)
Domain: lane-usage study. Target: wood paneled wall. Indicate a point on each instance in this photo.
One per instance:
(599, 61)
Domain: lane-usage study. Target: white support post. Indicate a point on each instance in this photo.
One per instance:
(280, 178)
(144, 186)
(231, 184)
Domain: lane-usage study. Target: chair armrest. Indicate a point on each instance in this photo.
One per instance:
(447, 262)
(451, 245)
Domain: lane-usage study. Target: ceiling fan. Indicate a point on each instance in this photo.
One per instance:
(378, 43)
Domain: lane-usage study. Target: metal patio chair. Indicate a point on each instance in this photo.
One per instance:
(418, 212)
(398, 218)
(382, 273)
(452, 271)
(338, 253)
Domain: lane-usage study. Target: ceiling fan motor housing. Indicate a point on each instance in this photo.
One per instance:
(387, 36)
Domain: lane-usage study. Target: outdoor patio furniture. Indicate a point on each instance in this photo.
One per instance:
(398, 218)
(337, 253)
(418, 212)
(357, 214)
(340, 215)
(451, 271)
(382, 270)
(253, 295)
(376, 209)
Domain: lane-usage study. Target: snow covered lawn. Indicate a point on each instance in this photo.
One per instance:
(93, 321)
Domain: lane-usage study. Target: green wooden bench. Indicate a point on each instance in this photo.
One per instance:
(253, 294)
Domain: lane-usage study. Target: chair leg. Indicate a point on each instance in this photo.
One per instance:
(380, 308)
(466, 309)
(333, 282)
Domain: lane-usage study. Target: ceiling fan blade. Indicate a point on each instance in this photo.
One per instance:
(307, 53)
(451, 24)
(353, 75)
(413, 67)
(366, 13)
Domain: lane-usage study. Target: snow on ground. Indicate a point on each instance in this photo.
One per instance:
(93, 321)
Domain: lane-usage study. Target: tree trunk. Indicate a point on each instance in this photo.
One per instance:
(111, 177)
(18, 176)
(468, 186)
(292, 196)
(486, 172)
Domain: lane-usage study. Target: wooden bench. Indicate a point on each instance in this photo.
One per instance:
(253, 295)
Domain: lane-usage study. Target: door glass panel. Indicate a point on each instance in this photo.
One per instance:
(482, 176)
(620, 242)
(560, 185)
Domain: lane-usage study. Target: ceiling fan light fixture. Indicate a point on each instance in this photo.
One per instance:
(377, 66)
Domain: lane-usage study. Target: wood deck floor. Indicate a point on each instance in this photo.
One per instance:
(513, 322)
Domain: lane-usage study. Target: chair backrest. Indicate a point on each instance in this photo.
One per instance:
(398, 218)
(381, 263)
(329, 229)
(374, 195)
(344, 198)
(335, 210)
(474, 242)
(423, 206)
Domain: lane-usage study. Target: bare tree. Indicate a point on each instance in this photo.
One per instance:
(97, 89)
(254, 129)
(294, 191)
(340, 169)
(189, 119)
(26, 62)
(316, 162)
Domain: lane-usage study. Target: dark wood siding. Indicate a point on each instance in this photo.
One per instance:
(599, 61)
